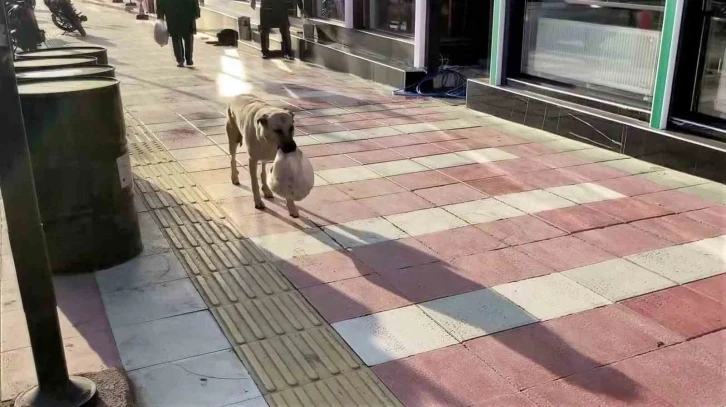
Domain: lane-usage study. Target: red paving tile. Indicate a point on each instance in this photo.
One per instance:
(375, 156)
(500, 140)
(429, 282)
(353, 298)
(629, 209)
(543, 352)
(354, 146)
(320, 150)
(681, 310)
(632, 186)
(521, 230)
(577, 218)
(565, 253)
(552, 178)
(503, 185)
(500, 267)
(677, 228)
(510, 400)
(360, 125)
(449, 377)
(516, 166)
(461, 145)
(714, 343)
(419, 150)
(369, 188)
(324, 194)
(714, 287)
(420, 180)
(559, 160)
(528, 150)
(437, 136)
(596, 172)
(450, 194)
(323, 268)
(451, 244)
(715, 216)
(676, 201)
(337, 212)
(331, 162)
(623, 240)
(399, 141)
(344, 118)
(395, 203)
(320, 128)
(395, 254)
(471, 172)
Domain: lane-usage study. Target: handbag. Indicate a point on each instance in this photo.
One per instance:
(292, 175)
(161, 33)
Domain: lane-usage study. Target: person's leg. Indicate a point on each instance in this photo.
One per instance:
(286, 41)
(189, 49)
(265, 41)
(176, 42)
(142, 11)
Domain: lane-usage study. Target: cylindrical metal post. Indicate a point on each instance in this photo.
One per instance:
(96, 71)
(67, 52)
(52, 63)
(28, 247)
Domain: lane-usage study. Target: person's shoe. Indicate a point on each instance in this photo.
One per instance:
(190, 63)
(265, 55)
(180, 64)
(142, 16)
(289, 57)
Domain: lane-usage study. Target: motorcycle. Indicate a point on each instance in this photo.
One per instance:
(24, 31)
(65, 16)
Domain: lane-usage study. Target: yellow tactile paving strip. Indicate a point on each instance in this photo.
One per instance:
(294, 356)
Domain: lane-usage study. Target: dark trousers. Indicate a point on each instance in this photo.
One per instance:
(183, 47)
(286, 40)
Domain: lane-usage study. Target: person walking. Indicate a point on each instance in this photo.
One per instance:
(273, 14)
(141, 15)
(180, 16)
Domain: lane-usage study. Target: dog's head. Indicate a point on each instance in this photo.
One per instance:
(279, 127)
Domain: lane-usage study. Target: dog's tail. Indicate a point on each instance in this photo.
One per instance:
(233, 132)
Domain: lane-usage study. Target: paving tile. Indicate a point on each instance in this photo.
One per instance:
(421, 180)
(680, 264)
(168, 339)
(375, 156)
(712, 191)
(714, 343)
(477, 313)
(536, 354)
(205, 164)
(677, 228)
(634, 166)
(623, 240)
(198, 152)
(676, 201)
(451, 376)
(355, 146)
(564, 253)
(486, 155)
(673, 179)
(517, 166)
(443, 160)
(322, 150)
(429, 281)
(535, 201)
(323, 268)
(632, 185)
(355, 297)
(715, 216)
(338, 212)
(577, 218)
(363, 232)
(472, 172)
(296, 244)
(426, 221)
(461, 145)
(392, 168)
(395, 254)
(528, 150)
(503, 185)
(215, 380)
(629, 209)
(139, 272)
(521, 230)
(256, 402)
(450, 194)
(392, 335)
(551, 296)
(350, 174)
(455, 243)
(552, 178)
(500, 267)
(595, 155)
(419, 150)
(681, 310)
(438, 136)
(370, 188)
(270, 222)
(714, 287)
(332, 162)
(395, 203)
(482, 211)
(714, 247)
(226, 190)
(324, 194)
(399, 141)
(559, 160)
(151, 236)
(596, 172)
(585, 193)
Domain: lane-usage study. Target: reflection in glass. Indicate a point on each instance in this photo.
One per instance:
(329, 9)
(712, 98)
(395, 16)
(606, 46)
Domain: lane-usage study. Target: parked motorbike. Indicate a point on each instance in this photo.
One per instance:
(24, 31)
(65, 16)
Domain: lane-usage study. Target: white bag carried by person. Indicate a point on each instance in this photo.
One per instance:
(161, 33)
(292, 175)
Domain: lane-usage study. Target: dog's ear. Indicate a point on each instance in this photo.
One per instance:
(292, 114)
(263, 120)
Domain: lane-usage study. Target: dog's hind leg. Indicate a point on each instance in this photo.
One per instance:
(292, 208)
(263, 177)
(255, 185)
(234, 137)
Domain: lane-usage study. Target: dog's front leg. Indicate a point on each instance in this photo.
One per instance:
(292, 208)
(255, 185)
(263, 177)
(233, 162)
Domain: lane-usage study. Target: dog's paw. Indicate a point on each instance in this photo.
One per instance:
(260, 206)
(235, 180)
(295, 215)
(268, 194)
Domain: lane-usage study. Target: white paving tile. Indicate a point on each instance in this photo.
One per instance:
(454, 123)
(475, 314)
(319, 182)
(214, 380)
(618, 279)
(426, 221)
(442, 160)
(151, 236)
(594, 155)
(296, 244)
(487, 155)
(562, 144)
(152, 302)
(551, 296)
(680, 263)
(168, 339)
(393, 335)
(415, 128)
(535, 201)
(634, 166)
(364, 231)
(335, 137)
(306, 141)
(711, 191)
(376, 132)
(483, 211)
(673, 179)
(257, 402)
(349, 174)
(399, 167)
(141, 271)
(587, 192)
(715, 246)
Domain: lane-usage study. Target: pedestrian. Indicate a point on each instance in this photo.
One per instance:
(273, 14)
(180, 16)
(141, 15)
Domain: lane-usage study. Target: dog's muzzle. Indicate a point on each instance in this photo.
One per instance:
(288, 147)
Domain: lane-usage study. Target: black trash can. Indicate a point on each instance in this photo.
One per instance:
(95, 71)
(67, 52)
(77, 141)
(36, 64)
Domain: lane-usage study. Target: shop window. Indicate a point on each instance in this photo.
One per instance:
(602, 46)
(329, 9)
(394, 16)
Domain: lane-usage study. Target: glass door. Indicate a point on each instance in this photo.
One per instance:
(710, 98)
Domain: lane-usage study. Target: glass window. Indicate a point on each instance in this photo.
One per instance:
(606, 46)
(395, 16)
(329, 9)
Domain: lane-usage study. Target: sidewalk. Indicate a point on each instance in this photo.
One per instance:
(444, 258)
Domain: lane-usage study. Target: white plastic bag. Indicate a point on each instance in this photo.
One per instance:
(161, 34)
(292, 175)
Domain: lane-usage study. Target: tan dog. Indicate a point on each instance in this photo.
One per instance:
(263, 129)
